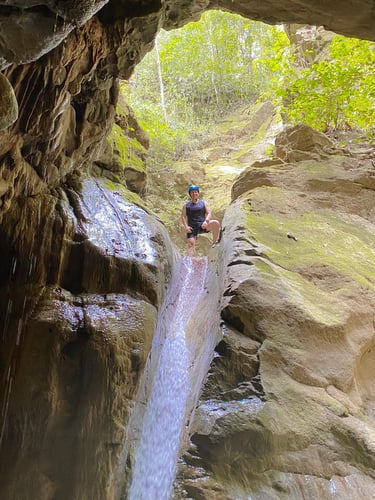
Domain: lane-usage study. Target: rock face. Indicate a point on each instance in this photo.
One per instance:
(8, 103)
(67, 97)
(80, 293)
(301, 143)
(122, 159)
(288, 407)
(81, 309)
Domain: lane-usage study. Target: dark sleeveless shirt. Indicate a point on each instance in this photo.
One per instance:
(196, 213)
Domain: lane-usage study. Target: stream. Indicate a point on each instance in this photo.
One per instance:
(183, 345)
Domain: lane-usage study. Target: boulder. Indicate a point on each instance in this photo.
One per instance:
(301, 142)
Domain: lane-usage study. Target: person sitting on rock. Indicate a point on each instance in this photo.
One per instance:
(196, 219)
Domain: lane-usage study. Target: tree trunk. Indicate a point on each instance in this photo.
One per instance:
(161, 86)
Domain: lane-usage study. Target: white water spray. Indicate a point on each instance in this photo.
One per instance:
(157, 452)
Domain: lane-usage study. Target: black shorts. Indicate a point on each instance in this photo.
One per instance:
(195, 232)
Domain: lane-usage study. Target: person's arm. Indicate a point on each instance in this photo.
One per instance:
(184, 220)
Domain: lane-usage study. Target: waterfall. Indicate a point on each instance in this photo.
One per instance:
(183, 347)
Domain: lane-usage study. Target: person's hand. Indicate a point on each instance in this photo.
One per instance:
(188, 229)
(204, 224)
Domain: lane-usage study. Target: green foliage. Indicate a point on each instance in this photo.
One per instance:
(207, 64)
(274, 63)
(334, 93)
(206, 67)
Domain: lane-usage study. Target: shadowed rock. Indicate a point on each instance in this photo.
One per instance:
(8, 103)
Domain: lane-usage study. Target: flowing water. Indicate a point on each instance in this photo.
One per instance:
(165, 417)
(115, 225)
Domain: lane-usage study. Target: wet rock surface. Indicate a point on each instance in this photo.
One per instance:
(80, 309)
(75, 369)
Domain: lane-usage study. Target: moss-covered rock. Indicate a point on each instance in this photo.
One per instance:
(127, 162)
(298, 249)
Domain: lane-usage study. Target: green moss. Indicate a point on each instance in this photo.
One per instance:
(300, 292)
(256, 139)
(129, 152)
(323, 238)
(338, 408)
(218, 183)
(332, 255)
(182, 167)
(127, 195)
(238, 119)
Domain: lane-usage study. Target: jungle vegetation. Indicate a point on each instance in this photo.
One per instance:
(197, 73)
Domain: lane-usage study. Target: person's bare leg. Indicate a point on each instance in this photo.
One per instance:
(214, 226)
(190, 247)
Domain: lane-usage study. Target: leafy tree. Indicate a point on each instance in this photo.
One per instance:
(209, 66)
(334, 93)
(199, 72)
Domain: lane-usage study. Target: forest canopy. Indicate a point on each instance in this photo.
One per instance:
(201, 71)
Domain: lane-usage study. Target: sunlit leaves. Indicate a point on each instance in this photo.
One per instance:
(334, 93)
(207, 67)
(210, 66)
